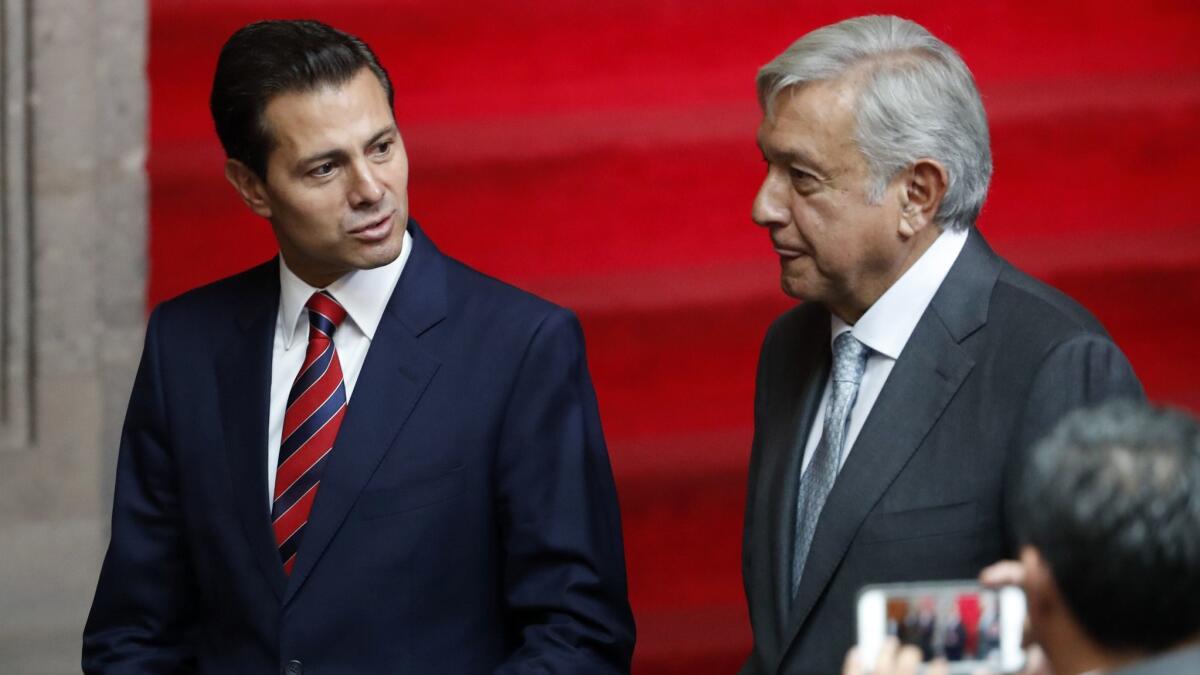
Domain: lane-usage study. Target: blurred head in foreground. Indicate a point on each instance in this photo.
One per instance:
(1109, 519)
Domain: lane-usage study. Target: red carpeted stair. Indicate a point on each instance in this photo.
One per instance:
(602, 154)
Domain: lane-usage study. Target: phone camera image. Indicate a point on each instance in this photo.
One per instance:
(962, 622)
(955, 627)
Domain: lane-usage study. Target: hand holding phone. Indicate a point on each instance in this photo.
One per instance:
(892, 660)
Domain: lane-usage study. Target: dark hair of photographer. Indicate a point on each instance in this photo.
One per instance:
(1111, 501)
(268, 58)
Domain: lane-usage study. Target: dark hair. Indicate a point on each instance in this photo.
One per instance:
(1111, 500)
(268, 58)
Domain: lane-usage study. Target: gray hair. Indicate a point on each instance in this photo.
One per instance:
(917, 99)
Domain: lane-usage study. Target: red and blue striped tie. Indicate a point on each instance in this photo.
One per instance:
(315, 408)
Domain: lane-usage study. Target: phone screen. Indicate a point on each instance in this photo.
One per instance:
(961, 622)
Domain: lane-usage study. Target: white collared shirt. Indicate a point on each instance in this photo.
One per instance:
(364, 294)
(885, 328)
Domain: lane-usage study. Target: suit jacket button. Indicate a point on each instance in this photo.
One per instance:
(293, 667)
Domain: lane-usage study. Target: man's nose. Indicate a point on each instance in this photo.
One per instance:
(366, 189)
(770, 204)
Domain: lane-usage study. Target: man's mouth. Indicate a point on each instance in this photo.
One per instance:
(788, 253)
(376, 230)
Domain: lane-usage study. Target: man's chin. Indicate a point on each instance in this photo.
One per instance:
(794, 288)
(381, 256)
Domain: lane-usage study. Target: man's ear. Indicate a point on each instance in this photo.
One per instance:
(251, 188)
(924, 186)
(1041, 589)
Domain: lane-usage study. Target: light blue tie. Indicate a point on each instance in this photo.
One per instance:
(849, 361)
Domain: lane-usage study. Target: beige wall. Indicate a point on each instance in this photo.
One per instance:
(72, 278)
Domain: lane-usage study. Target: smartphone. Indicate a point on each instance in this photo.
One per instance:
(969, 626)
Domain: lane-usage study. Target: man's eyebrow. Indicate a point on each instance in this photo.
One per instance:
(791, 156)
(389, 129)
(338, 154)
(326, 156)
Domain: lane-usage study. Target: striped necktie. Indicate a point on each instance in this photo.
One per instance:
(315, 408)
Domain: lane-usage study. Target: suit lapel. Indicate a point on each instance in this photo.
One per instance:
(394, 375)
(244, 388)
(926, 377)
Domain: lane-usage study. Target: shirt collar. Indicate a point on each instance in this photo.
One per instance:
(363, 293)
(887, 324)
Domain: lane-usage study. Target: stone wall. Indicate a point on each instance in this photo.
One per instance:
(72, 280)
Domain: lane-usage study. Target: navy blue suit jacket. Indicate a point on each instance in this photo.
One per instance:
(466, 522)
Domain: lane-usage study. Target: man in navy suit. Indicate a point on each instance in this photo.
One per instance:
(362, 456)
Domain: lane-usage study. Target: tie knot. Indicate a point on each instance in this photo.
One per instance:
(849, 358)
(324, 313)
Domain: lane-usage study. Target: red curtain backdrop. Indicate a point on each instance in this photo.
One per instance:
(602, 155)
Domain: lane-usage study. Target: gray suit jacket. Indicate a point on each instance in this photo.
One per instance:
(994, 362)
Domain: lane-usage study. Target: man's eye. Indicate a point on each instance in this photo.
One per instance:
(801, 175)
(322, 170)
(383, 148)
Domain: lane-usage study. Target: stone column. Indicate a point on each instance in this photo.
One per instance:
(72, 296)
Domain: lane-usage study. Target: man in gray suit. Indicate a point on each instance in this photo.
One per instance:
(894, 405)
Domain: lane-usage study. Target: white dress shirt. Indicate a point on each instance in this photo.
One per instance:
(885, 328)
(364, 294)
